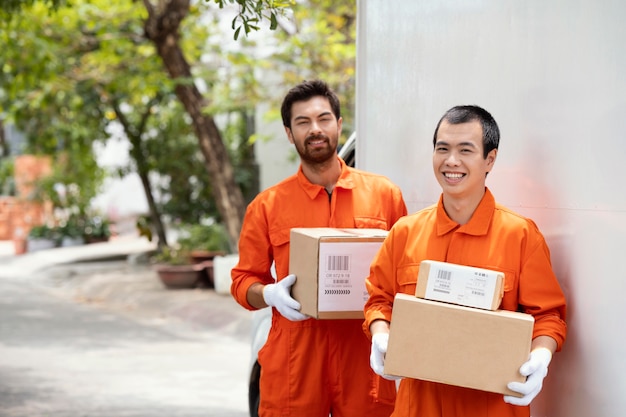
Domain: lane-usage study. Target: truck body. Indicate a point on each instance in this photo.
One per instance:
(553, 75)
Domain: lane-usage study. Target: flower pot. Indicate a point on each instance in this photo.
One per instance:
(206, 277)
(96, 239)
(179, 276)
(20, 246)
(36, 244)
(68, 241)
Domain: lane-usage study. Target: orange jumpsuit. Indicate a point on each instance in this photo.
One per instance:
(494, 238)
(314, 367)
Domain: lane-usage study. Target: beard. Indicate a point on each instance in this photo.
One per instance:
(320, 153)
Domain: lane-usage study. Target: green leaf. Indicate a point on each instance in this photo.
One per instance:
(273, 21)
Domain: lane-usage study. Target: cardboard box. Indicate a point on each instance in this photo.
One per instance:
(457, 345)
(460, 284)
(331, 266)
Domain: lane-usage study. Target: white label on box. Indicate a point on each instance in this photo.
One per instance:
(343, 268)
(469, 287)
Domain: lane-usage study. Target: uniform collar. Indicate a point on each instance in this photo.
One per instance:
(312, 190)
(478, 224)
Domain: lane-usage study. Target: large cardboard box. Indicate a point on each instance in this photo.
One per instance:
(457, 345)
(331, 266)
(460, 284)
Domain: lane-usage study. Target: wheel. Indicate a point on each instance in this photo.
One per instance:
(254, 395)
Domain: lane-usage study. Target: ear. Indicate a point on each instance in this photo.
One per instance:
(339, 126)
(289, 134)
(491, 159)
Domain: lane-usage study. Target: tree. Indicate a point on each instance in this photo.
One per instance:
(162, 27)
(91, 68)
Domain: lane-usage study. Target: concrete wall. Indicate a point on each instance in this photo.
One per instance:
(552, 74)
(276, 156)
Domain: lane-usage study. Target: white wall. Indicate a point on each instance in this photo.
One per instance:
(553, 74)
(276, 156)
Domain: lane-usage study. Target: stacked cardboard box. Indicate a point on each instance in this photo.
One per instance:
(468, 346)
(460, 284)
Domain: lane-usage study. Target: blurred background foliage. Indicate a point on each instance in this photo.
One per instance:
(80, 73)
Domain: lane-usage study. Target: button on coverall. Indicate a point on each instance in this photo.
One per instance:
(313, 367)
(495, 238)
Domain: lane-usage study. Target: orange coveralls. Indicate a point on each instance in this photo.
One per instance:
(313, 367)
(495, 238)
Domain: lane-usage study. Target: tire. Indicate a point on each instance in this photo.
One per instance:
(254, 394)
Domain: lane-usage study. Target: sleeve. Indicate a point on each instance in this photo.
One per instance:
(398, 206)
(540, 293)
(255, 255)
(381, 284)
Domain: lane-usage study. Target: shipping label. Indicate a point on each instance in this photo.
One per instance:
(343, 268)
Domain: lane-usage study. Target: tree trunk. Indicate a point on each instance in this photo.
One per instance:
(133, 133)
(5, 151)
(162, 28)
(155, 216)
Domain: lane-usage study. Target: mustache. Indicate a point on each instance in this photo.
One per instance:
(316, 137)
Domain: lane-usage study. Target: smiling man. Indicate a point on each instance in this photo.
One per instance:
(468, 227)
(312, 368)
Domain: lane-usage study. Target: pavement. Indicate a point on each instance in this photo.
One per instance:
(116, 275)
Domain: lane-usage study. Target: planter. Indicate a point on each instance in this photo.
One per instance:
(179, 276)
(205, 258)
(96, 239)
(20, 246)
(206, 276)
(36, 244)
(72, 241)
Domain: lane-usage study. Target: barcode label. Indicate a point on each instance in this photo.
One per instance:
(338, 263)
(459, 284)
(444, 274)
(442, 282)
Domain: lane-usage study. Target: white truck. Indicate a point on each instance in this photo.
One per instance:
(553, 74)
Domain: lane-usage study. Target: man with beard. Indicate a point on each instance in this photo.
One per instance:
(312, 368)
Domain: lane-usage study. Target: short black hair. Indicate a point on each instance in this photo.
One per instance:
(305, 91)
(464, 114)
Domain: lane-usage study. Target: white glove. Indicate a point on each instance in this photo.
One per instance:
(535, 369)
(377, 355)
(278, 296)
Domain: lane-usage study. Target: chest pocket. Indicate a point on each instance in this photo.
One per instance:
(407, 278)
(370, 223)
(280, 237)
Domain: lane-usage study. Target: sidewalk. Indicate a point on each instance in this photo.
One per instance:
(12, 265)
(115, 275)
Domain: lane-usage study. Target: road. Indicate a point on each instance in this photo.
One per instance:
(70, 350)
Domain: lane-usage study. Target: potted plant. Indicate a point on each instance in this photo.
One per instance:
(97, 229)
(71, 231)
(41, 237)
(174, 268)
(204, 242)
